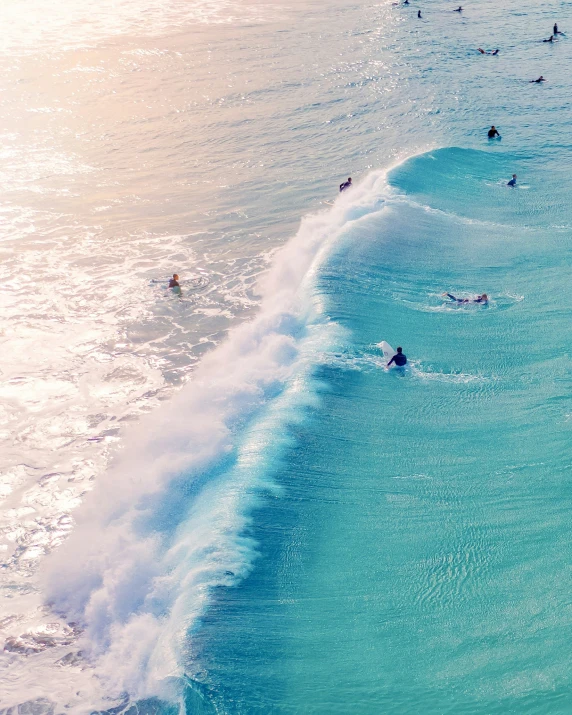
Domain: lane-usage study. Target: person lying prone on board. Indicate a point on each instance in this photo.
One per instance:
(479, 299)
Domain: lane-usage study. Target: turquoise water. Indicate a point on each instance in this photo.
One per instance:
(286, 526)
(418, 559)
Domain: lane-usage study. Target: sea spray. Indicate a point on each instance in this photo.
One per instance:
(167, 522)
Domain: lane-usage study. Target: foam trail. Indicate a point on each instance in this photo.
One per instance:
(167, 522)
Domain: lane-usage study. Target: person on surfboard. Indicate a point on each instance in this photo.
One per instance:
(479, 299)
(399, 359)
(346, 185)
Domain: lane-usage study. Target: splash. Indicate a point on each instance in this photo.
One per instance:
(169, 521)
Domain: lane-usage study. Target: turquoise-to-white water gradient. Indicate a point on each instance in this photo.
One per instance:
(219, 501)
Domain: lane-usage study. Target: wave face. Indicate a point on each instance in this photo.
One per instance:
(169, 522)
(416, 559)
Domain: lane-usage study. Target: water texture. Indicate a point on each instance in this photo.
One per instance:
(220, 501)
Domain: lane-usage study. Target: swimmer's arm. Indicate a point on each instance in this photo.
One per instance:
(389, 363)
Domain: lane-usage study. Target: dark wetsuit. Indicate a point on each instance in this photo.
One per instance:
(173, 283)
(345, 185)
(480, 299)
(493, 133)
(512, 182)
(399, 359)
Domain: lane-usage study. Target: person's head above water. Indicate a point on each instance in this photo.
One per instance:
(176, 276)
(484, 296)
(399, 350)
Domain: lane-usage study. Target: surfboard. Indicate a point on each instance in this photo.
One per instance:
(329, 203)
(386, 349)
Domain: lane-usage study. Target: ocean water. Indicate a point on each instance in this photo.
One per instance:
(219, 500)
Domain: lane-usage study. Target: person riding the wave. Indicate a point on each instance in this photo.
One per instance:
(483, 298)
(346, 185)
(399, 359)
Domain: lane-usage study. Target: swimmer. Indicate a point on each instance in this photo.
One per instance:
(406, 2)
(512, 181)
(550, 39)
(537, 81)
(495, 52)
(346, 185)
(493, 132)
(419, 14)
(174, 282)
(459, 9)
(479, 299)
(399, 359)
(555, 30)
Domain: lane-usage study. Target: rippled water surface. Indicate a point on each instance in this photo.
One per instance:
(218, 499)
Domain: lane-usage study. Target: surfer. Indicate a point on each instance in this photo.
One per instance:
(459, 9)
(512, 181)
(495, 52)
(419, 14)
(399, 359)
(550, 39)
(555, 30)
(493, 132)
(537, 81)
(174, 281)
(346, 185)
(479, 299)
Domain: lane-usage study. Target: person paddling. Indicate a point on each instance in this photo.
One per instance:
(537, 81)
(479, 299)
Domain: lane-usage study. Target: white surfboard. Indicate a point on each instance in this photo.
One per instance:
(386, 349)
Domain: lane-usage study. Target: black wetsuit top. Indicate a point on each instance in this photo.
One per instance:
(399, 359)
(493, 133)
(480, 299)
(345, 185)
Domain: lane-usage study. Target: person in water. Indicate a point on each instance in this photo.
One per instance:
(346, 184)
(399, 359)
(555, 30)
(174, 282)
(459, 9)
(512, 181)
(419, 14)
(495, 52)
(537, 81)
(493, 132)
(550, 39)
(479, 299)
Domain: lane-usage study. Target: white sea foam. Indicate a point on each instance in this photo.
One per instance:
(167, 522)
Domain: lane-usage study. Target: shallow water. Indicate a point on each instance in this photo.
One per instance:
(291, 528)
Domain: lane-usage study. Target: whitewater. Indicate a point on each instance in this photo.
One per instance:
(219, 500)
